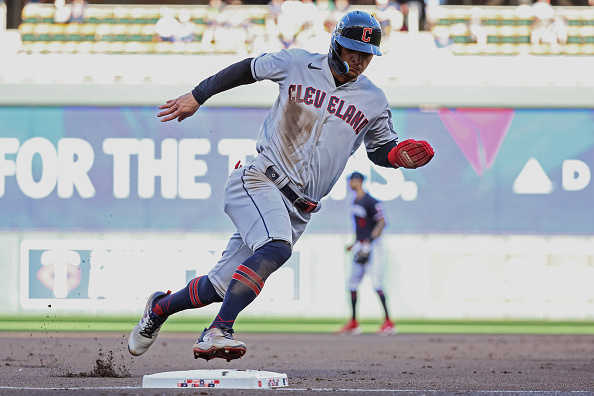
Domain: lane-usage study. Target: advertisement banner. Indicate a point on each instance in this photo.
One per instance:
(119, 274)
(438, 276)
(495, 171)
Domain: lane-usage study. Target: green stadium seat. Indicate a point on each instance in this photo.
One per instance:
(41, 32)
(27, 31)
(72, 32)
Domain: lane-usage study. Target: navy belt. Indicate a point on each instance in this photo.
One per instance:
(289, 190)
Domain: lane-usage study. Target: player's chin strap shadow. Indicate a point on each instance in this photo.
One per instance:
(336, 62)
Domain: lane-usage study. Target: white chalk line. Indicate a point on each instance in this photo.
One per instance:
(308, 389)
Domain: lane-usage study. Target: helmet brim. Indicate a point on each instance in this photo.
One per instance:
(358, 46)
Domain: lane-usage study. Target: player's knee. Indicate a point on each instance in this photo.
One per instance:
(207, 292)
(282, 250)
(277, 251)
(272, 256)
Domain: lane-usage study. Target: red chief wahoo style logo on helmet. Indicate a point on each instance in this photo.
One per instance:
(366, 34)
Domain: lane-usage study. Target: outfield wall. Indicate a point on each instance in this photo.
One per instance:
(101, 204)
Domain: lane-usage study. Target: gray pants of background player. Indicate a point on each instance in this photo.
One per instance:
(260, 212)
(374, 268)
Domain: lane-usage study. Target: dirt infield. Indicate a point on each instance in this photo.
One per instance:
(99, 363)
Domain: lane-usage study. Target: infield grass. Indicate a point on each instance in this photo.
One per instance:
(295, 325)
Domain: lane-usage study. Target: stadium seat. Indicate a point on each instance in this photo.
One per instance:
(27, 31)
(72, 32)
(84, 47)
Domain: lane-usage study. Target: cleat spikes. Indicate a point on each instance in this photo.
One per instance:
(218, 342)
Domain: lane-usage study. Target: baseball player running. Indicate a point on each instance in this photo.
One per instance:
(324, 111)
(368, 253)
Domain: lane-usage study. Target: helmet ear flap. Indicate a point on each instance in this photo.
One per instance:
(336, 62)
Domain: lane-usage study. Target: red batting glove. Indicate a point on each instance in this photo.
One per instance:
(411, 154)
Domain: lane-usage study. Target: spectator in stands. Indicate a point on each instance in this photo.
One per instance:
(215, 7)
(318, 42)
(312, 27)
(433, 13)
(414, 15)
(62, 11)
(229, 34)
(390, 18)
(325, 6)
(342, 6)
(309, 14)
(311, 21)
(443, 40)
(524, 9)
(560, 30)
(78, 11)
(187, 27)
(542, 28)
(275, 10)
(478, 33)
(289, 22)
(167, 27)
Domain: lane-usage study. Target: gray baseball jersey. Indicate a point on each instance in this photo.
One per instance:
(314, 126)
(309, 135)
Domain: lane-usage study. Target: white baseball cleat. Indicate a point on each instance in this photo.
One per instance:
(218, 342)
(146, 331)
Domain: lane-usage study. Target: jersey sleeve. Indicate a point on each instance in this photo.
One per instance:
(381, 131)
(272, 66)
(378, 211)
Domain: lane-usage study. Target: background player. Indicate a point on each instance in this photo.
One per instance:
(368, 252)
(324, 111)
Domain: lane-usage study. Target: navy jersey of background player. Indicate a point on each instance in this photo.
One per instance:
(367, 212)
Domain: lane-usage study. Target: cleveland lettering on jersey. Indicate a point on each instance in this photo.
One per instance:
(355, 118)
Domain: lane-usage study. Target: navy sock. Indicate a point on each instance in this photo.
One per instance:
(248, 280)
(198, 293)
(382, 297)
(354, 303)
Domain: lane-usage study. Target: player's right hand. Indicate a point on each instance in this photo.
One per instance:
(181, 108)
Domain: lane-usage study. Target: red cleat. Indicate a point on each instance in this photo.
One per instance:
(388, 328)
(351, 328)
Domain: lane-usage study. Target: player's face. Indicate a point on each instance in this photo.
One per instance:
(355, 184)
(357, 61)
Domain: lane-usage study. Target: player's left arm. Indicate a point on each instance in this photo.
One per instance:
(185, 106)
(409, 154)
(380, 221)
(389, 153)
(378, 229)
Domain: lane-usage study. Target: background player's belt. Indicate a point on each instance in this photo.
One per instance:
(293, 194)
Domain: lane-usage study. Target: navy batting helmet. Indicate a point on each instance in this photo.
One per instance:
(356, 30)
